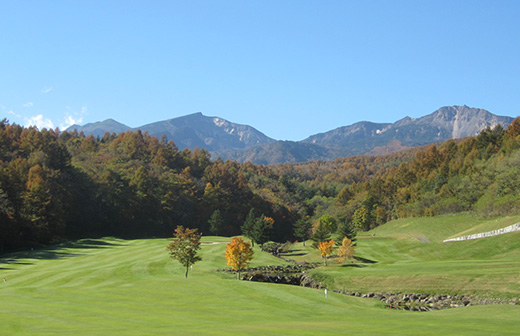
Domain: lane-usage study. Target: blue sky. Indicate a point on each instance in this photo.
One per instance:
(288, 68)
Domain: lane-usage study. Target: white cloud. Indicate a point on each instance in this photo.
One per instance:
(13, 113)
(47, 90)
(39, 121)
(71, 120)
(28, 104)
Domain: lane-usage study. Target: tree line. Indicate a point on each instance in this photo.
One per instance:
(57, 185)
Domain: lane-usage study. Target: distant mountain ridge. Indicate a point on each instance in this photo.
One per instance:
(190, 131)
(241, 143)
(447, 122)
(98, 129)
(211, 133)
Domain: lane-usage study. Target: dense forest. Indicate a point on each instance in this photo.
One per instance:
(56, 186)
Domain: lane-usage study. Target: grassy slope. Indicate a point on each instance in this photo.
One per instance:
(114, 287)
(402, 262)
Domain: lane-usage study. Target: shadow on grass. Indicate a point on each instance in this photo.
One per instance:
(364, 260)
(55, 252)
(13, 261)
(354, 265)
(294, 253)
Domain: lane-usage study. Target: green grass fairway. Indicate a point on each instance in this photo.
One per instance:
(409, 256)
(132, 287)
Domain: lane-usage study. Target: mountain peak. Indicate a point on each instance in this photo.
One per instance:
(462, 121)
(211, 133)
(99, 128)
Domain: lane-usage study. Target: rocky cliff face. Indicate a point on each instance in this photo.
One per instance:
(451, 122)
(463, 121)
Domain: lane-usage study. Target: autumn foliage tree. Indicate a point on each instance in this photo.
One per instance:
(184, 247)
(346, 250)
(325, 248)
(238, 254)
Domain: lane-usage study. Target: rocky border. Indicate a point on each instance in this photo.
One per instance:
(401, 301)
(428, 302)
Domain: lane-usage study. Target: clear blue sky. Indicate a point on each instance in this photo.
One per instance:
(288, 68)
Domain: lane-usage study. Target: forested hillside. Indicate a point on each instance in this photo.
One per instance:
(56, 185)
(63, 185)
(473, 174)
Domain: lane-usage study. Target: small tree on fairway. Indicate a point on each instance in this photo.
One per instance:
(325, 248)
(238, 254)
(184, 246)
(346, 250)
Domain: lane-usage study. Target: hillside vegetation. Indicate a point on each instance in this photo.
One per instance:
(56, 186)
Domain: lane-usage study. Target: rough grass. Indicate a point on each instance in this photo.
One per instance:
(119, 287)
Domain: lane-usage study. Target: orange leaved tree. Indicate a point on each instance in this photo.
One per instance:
(346, 250)
(238, 254)
(325, 248)
(184, 246)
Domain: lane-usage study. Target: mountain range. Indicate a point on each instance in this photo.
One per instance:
(231, 141)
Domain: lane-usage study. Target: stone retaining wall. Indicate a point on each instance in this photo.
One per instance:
(511, 228)
(427, 302)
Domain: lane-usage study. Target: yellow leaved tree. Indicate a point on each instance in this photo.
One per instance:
(346, 251)
(325, 248)
(238, 254)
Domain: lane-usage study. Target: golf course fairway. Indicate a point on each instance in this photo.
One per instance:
(131, 287)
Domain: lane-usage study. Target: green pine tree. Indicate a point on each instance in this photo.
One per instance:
(247, 227)
(216, 223)
(302, 229)
(345, 229)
